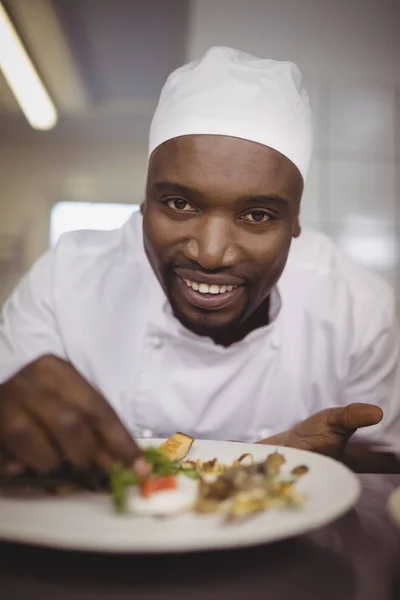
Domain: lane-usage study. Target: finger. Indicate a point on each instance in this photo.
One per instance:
(354, 416)
(104, 460)
(9, 466)
(65, 426)
(142, 467)
(24, 440)
(77, 392)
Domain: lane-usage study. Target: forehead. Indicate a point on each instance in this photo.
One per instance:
(211, 163)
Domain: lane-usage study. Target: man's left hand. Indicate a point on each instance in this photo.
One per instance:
(328, 431)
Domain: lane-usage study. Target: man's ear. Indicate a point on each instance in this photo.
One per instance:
(143, 207)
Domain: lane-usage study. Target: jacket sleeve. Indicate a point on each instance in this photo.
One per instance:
(374, 375)
(28, 324)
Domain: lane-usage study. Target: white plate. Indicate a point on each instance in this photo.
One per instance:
(394, 506)
(86, 522)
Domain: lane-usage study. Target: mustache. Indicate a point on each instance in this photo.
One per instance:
(195, 267)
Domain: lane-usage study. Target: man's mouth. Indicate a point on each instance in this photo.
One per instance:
(205, 288)
(209, 296)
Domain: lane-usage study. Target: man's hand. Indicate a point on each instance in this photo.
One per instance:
(328, 431)
(49, 413)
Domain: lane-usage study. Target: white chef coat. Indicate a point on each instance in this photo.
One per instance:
(333, 339)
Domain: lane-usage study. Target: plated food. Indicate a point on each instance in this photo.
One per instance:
(178, 484)
(72, 517)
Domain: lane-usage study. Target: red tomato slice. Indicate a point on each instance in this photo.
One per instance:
(158, 484)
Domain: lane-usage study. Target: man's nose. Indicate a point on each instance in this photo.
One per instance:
(211, 244)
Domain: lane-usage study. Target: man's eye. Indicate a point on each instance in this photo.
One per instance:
(179, 204)
(257, 216)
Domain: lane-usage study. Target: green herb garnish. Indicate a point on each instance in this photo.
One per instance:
(191, 473)
(161, 465)
(122, 478)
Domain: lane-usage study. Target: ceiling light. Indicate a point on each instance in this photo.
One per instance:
(23, 78)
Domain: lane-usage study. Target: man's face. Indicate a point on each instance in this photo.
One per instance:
(218, 220)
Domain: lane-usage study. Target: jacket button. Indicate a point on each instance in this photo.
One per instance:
(157, 342)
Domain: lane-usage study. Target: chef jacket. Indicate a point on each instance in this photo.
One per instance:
(332, 339)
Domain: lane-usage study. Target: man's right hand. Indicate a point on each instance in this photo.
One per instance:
(50, 414)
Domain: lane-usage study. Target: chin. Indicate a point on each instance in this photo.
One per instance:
(206, 323)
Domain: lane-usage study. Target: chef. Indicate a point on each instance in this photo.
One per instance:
(211, 312)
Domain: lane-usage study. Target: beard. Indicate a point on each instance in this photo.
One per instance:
(204, 324)
(207, 323)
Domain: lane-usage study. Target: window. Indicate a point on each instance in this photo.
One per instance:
(71, 216)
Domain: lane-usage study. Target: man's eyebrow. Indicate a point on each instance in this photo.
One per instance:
(266, 200)
(170, 187)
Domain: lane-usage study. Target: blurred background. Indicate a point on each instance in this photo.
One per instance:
(99, 65)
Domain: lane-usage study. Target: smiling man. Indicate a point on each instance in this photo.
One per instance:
(219, 217)
(209, 313)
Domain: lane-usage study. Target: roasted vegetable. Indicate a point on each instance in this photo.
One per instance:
(177, 446)
(244, 490)
(64, 481)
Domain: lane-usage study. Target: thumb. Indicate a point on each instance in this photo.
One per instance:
(353, 416)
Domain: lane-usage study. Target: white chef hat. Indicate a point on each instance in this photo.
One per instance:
(229, 92)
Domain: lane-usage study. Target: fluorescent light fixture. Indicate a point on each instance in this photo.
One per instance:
(23, 78)
(74, 216)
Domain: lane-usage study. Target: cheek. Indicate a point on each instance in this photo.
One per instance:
(154, 232)
(270, 250)
(160, 239)
(269, 258)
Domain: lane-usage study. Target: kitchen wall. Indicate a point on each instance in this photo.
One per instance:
(34, 177)
(348, 52)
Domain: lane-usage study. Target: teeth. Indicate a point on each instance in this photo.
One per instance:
(214, 289)
(204, 288)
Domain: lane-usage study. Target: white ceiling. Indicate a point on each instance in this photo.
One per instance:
(102, 61)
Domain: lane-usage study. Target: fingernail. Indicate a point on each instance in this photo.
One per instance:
(141, 467)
